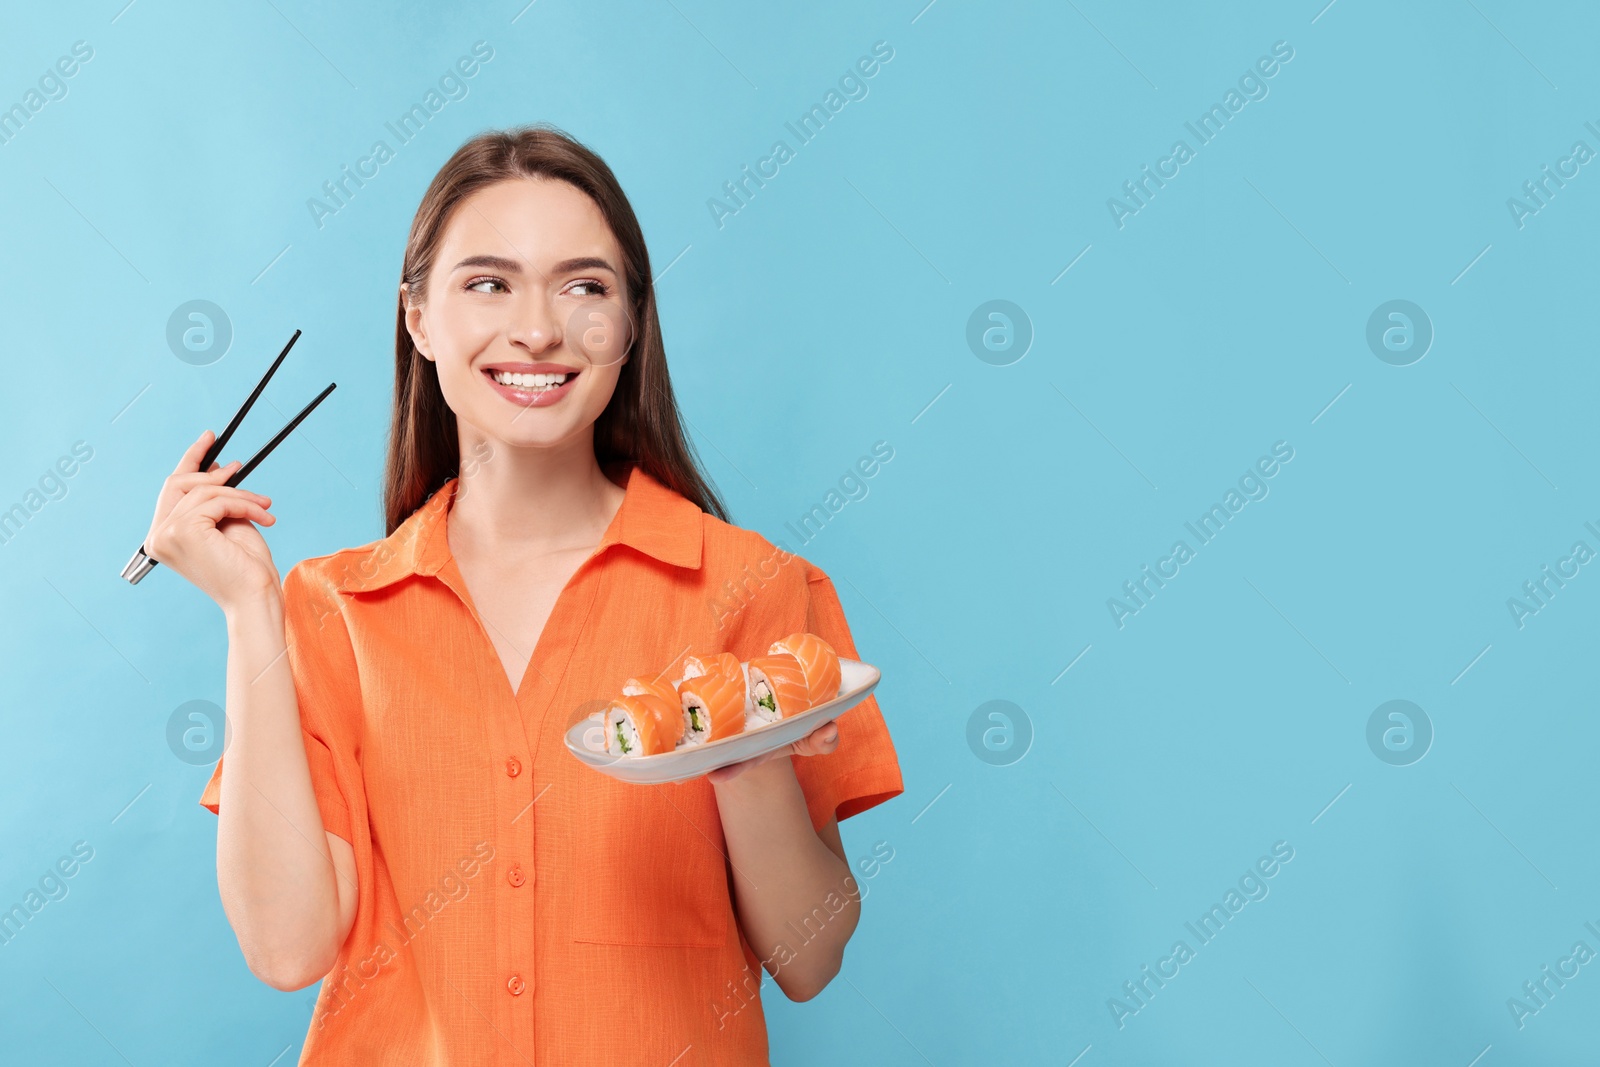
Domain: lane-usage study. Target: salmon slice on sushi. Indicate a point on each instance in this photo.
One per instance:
(634, 687)
(715, 704)
(642, 725)
(778, 687)
(818, 661)
(699, 666)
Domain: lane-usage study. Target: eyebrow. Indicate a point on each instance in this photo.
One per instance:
(511, 266)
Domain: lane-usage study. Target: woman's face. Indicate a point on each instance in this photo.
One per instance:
(527, 284)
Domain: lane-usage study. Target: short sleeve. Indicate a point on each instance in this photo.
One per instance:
(327, 689)
(863, 770)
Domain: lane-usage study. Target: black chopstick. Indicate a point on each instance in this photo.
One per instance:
(266, 450)
(222, 440)
(141, 564)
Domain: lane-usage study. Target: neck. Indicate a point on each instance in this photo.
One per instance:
(531, 500)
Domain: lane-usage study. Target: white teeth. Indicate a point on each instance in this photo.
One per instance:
(530, 381)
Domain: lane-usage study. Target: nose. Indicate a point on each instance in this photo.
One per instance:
(534, 325)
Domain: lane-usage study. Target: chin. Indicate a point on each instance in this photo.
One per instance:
(532, 430)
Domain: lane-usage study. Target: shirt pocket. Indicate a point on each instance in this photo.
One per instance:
(652, 867)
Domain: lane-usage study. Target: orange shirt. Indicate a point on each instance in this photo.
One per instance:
(517, 907)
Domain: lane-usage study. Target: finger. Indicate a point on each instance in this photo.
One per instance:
(205, 484)
(201, 501)
(819, 742)
(206, 506)
(208, 492)
(216, 475)
(190, 463)
(219, 508)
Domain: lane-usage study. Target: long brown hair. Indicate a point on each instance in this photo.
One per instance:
(641, 425)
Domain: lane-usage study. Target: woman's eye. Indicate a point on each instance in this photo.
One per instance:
(596, 288)
(473, 285)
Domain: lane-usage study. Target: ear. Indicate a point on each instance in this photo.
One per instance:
(419, 335)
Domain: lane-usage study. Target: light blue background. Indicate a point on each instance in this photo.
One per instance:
(1225, 316)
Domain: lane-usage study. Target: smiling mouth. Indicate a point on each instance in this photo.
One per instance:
(529, 383)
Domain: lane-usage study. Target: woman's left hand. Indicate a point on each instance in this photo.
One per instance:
(819, 742)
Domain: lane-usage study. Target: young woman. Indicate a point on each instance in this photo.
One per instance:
(399, 816)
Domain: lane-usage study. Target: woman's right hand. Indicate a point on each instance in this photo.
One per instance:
(204, 530)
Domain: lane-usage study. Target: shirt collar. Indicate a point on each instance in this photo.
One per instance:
(653, 518)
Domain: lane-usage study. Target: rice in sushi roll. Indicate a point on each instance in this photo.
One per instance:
(715, 700)
(642, 725)
(699, 666)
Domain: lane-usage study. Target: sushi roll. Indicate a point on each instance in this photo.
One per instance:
(642, 725)
(777, 687)
(819, 662)
(715, 703)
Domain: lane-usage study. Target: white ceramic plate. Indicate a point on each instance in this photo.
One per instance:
(586, 739)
